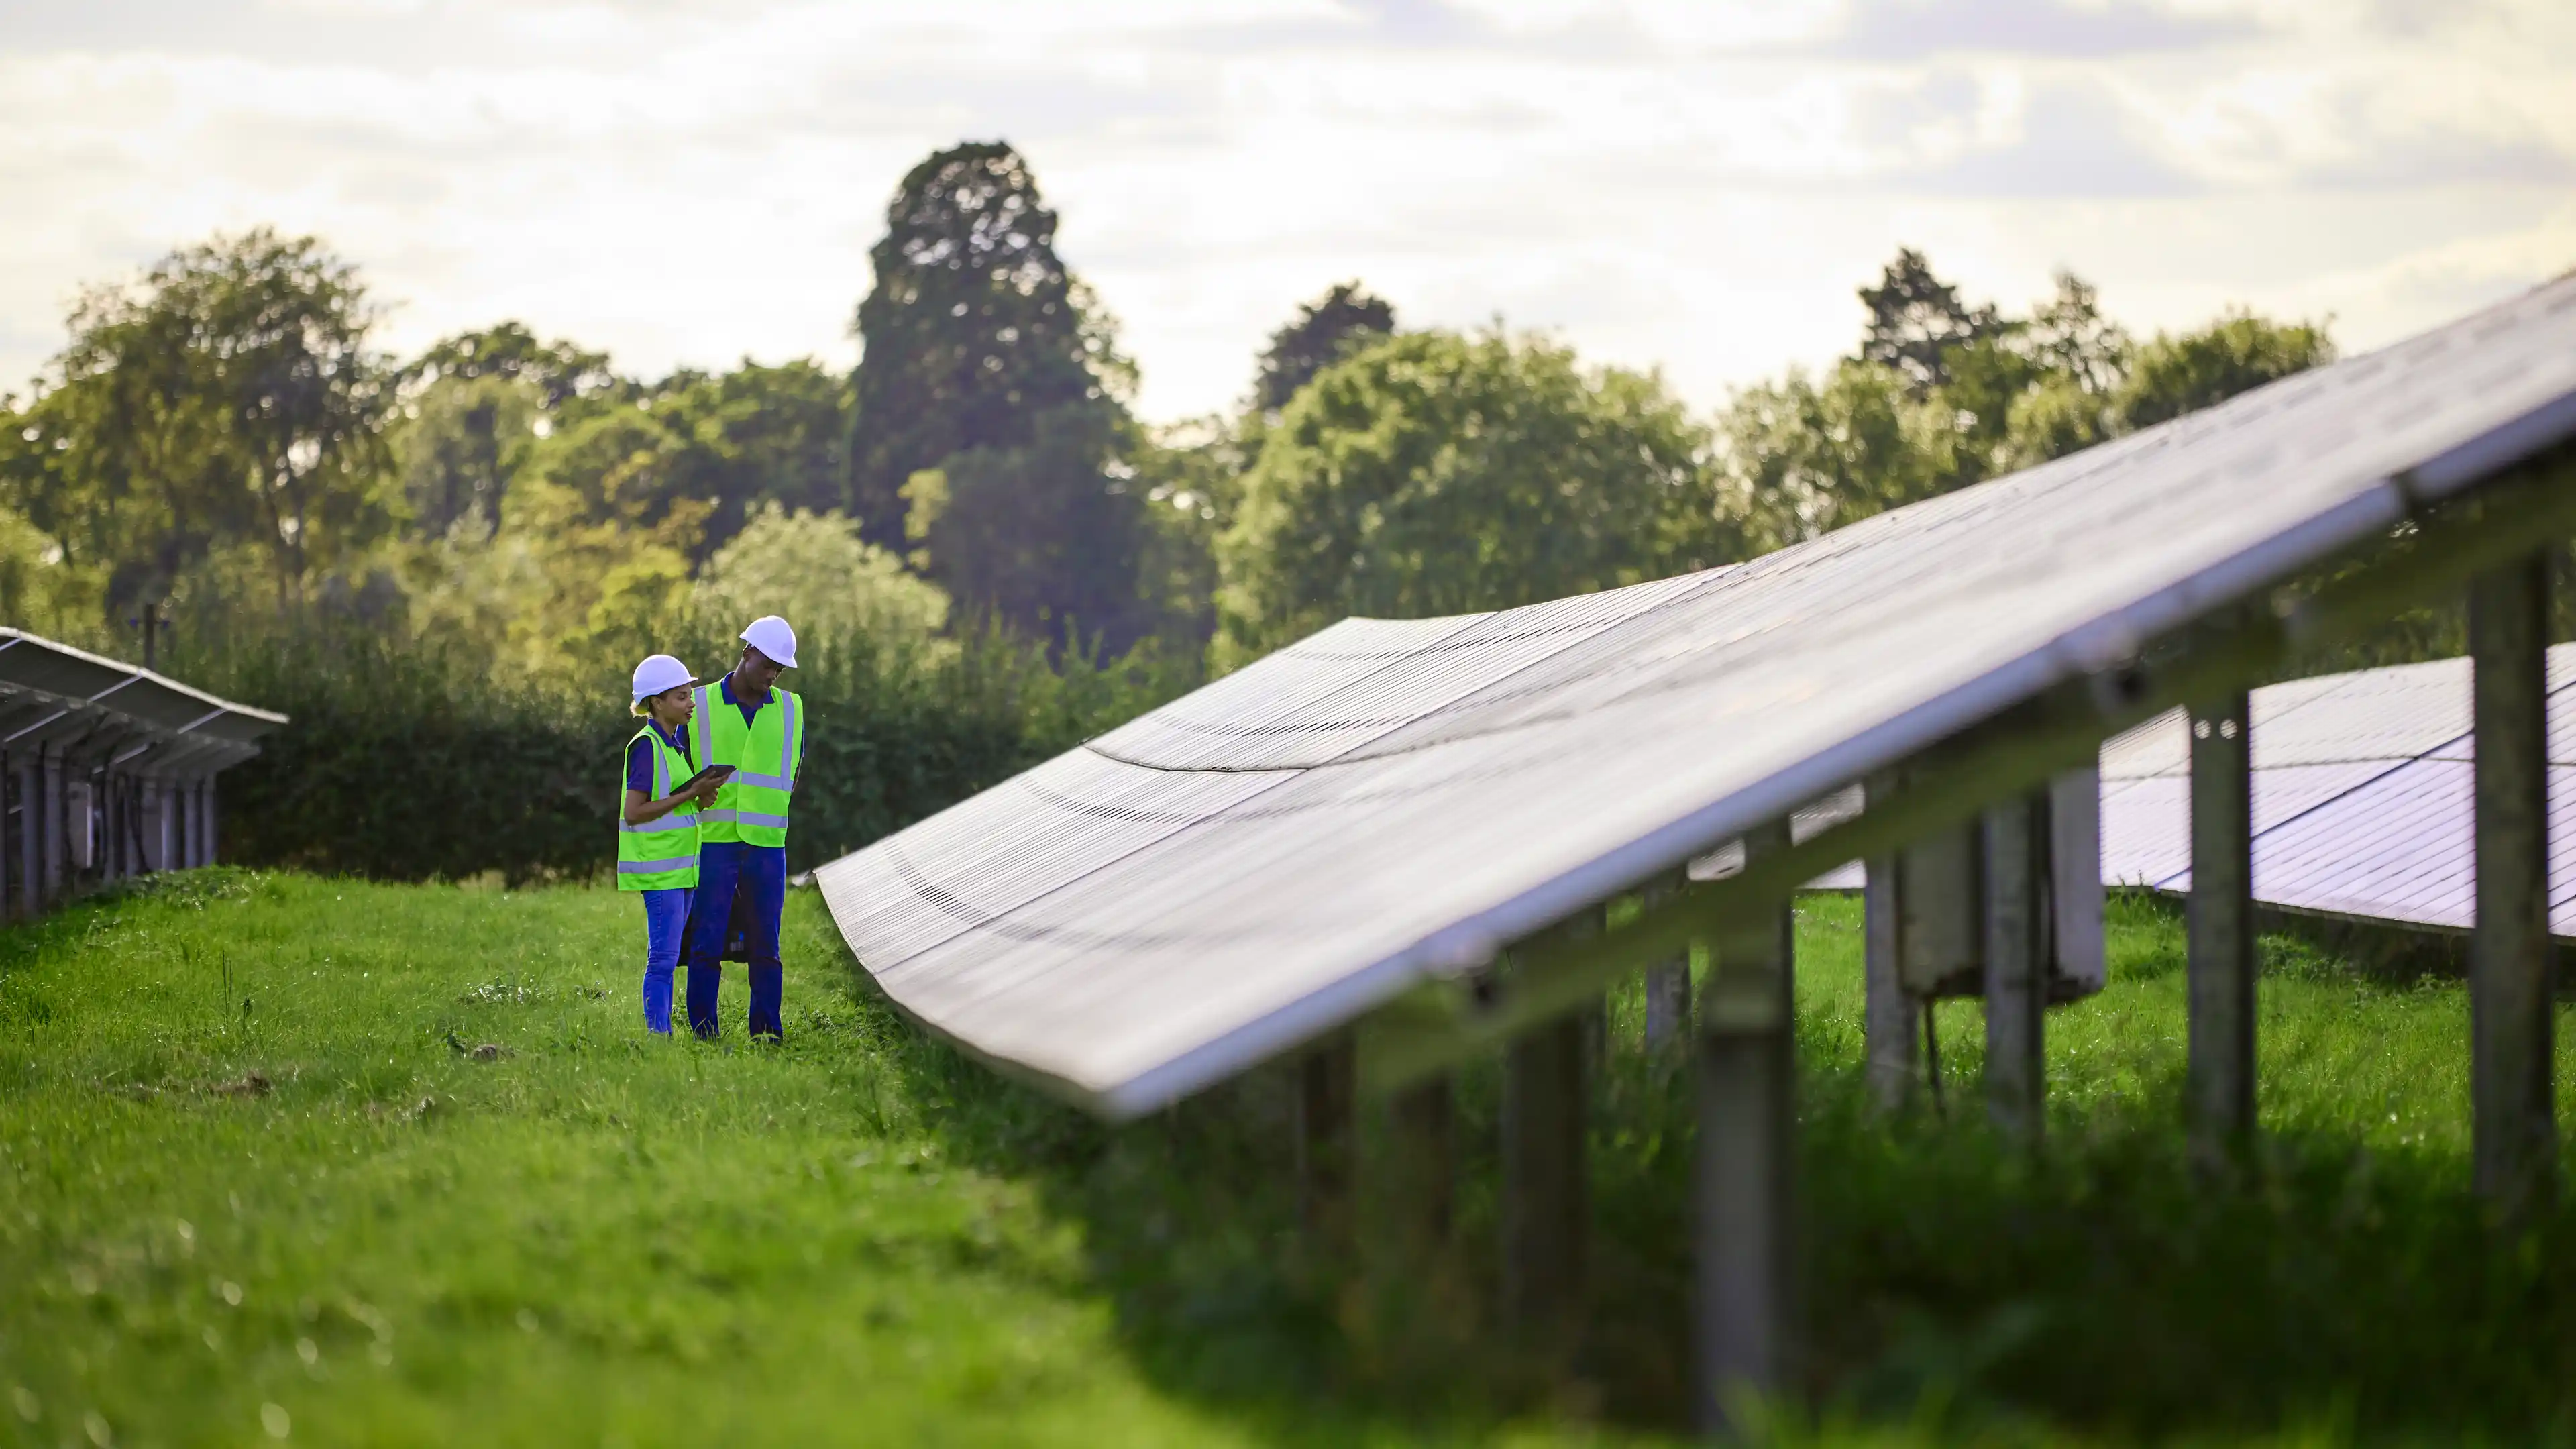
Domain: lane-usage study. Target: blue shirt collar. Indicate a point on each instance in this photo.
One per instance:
(726, 685)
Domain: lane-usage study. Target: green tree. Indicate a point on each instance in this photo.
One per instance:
(2071, 408)
(461, 439)
(474, 402)
(814, 570)
(1916, 319)
(590, 555)
(229, 398)
(1434, 473)
(753, 436)
(1190, 475)
(1048, 535)
(1799, 458)
(1322, 331)
(560, 372)
(2173, 375)
(2067, 335)
(973, 330)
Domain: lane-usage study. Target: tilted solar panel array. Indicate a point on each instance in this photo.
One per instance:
(2361, 796)
(1273, 855)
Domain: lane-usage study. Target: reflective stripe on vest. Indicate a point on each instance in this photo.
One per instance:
(660, 854)
(743, 817)
(688, 863)
(767, 751)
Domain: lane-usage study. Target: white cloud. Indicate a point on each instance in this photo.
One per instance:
(1662, 182)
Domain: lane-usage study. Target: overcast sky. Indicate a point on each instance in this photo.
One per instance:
(1691, 184)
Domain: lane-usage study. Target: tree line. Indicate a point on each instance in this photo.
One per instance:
(221, 444)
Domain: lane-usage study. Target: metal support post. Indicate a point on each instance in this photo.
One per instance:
(1546, 1207)
(1890, 1019)
(56, 828)
(206, 792)
(1668, 1003)
(114, 795)
(2514, 1139)
(165, 825)
(1420, 1166)
(2220, 968)
(1746, 1308)
(1327, 1094)
(1407, 1295)
(2016, 852)
(31, 831)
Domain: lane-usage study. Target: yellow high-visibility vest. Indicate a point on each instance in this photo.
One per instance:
(658, 855)
(765, 753)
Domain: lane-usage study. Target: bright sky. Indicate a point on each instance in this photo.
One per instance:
(1688, 184)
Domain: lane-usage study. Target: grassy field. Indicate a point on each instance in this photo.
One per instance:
(261, 1179)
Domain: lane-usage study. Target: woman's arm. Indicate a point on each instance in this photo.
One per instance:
(641, 811)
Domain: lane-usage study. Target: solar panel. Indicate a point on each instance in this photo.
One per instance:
(1274, 855)
(54, 694)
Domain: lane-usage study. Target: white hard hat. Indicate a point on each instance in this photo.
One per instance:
(659, 672)
(770, 635)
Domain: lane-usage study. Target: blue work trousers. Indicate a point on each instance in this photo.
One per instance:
(666, 920)
(760, 872)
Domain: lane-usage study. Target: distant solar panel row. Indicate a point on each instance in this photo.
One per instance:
(1274, 855)
(2361, 798)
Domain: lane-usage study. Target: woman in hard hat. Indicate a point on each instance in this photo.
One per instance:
(750, 724)
(657, 831)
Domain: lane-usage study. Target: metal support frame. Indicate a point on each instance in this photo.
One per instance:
(1404, 1185)
(1668, 1003)
(55, 827)
(1448, 1019)
(1890, 1018)
(1327, 1099)
(115, 794)
(2016, 968)
(2220, 970)
(1667, 982)
(1746, 1310)
(2514, 1136)
(206, 795)
(31, 832)
(1546, 1202)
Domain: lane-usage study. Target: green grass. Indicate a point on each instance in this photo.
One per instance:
(603, 1238)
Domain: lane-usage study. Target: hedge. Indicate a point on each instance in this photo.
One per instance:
(405, 760)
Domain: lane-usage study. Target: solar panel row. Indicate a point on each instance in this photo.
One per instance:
(1385, 802)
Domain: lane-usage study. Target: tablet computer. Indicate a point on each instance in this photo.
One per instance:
(717, 772)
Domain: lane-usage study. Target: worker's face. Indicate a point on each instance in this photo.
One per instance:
(756, 671)
(672, 707)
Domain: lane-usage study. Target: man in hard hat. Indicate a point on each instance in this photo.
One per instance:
(746, 721)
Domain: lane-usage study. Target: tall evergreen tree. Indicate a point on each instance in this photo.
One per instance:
(973, 328)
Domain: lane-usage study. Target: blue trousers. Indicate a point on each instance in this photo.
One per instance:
(760, 872)
(666, 918)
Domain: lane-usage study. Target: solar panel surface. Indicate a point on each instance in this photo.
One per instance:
(1275, 854)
